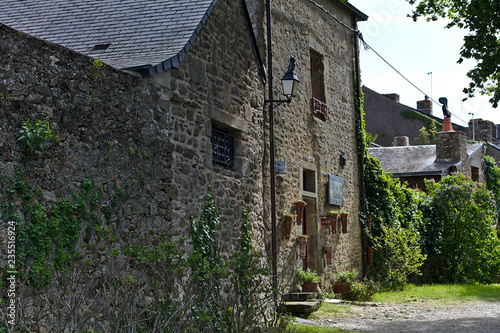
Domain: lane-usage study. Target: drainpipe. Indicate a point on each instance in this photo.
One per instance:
(361, 157)
(271, 154)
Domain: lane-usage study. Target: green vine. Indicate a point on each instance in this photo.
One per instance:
(47, 234)
(431, 125)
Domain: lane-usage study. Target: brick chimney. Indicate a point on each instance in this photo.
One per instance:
(451, 145)
(394, 97)
(425, 106)
(400, 141)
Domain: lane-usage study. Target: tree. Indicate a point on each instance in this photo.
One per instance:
(460, 231)
(482, 43)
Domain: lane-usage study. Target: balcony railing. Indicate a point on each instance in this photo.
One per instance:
(320, 109)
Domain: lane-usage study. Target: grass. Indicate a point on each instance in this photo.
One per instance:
(328, 310)
(437, 294)
(441, 294)
(298, 328)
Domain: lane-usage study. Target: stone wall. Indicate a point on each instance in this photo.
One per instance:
(145, 144)
(311, 147)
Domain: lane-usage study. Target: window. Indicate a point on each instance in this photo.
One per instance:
(320, 108)
(222, 148)
(309, 181)
(474, 173)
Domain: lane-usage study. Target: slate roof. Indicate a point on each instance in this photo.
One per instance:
(384, 117)
(151, 34)
(415, 160)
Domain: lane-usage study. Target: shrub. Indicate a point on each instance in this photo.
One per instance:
(463, 246)
(363, 290)
(307, 276)
(346, 276)
(395, 233)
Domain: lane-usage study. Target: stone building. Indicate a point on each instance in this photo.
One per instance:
(180, 106)
(315, 135)
(451, 153)
(387, 118)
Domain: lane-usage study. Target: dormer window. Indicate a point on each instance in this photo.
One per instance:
(319, 106)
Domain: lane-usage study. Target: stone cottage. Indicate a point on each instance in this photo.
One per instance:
(179, 106)
(315, 135)
(450, 154)
(386, 118)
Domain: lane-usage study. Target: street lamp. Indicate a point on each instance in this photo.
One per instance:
(290, 84)
(290, 81)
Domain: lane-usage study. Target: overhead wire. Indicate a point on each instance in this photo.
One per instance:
(366, 46)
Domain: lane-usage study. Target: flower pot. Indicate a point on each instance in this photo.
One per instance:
(287, 221)
(328, 252)
(343, 288)
(288, 229)
(335, 219)
(369, 250)
(343, 219)
(310, 287)
(302, 240)
(299, 207)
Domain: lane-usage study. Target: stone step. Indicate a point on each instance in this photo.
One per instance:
(302, 307)
(299, 296)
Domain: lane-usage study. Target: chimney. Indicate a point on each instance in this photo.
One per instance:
(425, 106)
(451, 145)
(401, 141)
(394, 97)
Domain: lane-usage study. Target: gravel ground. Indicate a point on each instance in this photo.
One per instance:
(477, 317)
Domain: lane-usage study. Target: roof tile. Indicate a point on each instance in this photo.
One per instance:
(141, 32)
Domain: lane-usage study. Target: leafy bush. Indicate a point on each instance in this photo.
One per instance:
(363, 290)
(346, 276)
(459, 231)
(307, 276)
(395, 233)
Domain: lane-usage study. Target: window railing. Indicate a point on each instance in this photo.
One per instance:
(320, 109)
(222, 148)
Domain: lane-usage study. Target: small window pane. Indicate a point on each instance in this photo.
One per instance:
(222, 148)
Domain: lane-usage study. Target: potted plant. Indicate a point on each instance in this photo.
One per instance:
(343, 281)
(334, 215)
(287, 221)
(308, 279)
(299, 207)
(343, 219)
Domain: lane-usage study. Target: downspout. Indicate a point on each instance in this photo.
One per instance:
(274, 246)
(361, 150)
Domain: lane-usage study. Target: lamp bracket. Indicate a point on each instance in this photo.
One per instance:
(278, 101)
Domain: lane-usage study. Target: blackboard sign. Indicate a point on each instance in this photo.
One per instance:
(335, 190)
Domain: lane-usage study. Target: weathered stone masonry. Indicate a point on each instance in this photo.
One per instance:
(311, 146)
(166, 121)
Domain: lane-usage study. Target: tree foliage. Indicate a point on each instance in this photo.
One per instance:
(459, 236)
(482, 44)
(395, 233)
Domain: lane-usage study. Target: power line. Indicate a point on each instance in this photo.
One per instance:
(367, 46)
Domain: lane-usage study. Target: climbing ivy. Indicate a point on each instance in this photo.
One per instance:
(396, 220)
(430, 125)
(46, 234)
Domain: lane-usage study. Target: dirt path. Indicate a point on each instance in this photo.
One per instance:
(478, 317)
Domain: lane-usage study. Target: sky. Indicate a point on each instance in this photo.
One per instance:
(416, 49)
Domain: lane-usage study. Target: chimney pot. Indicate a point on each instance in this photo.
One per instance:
(400, 141)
